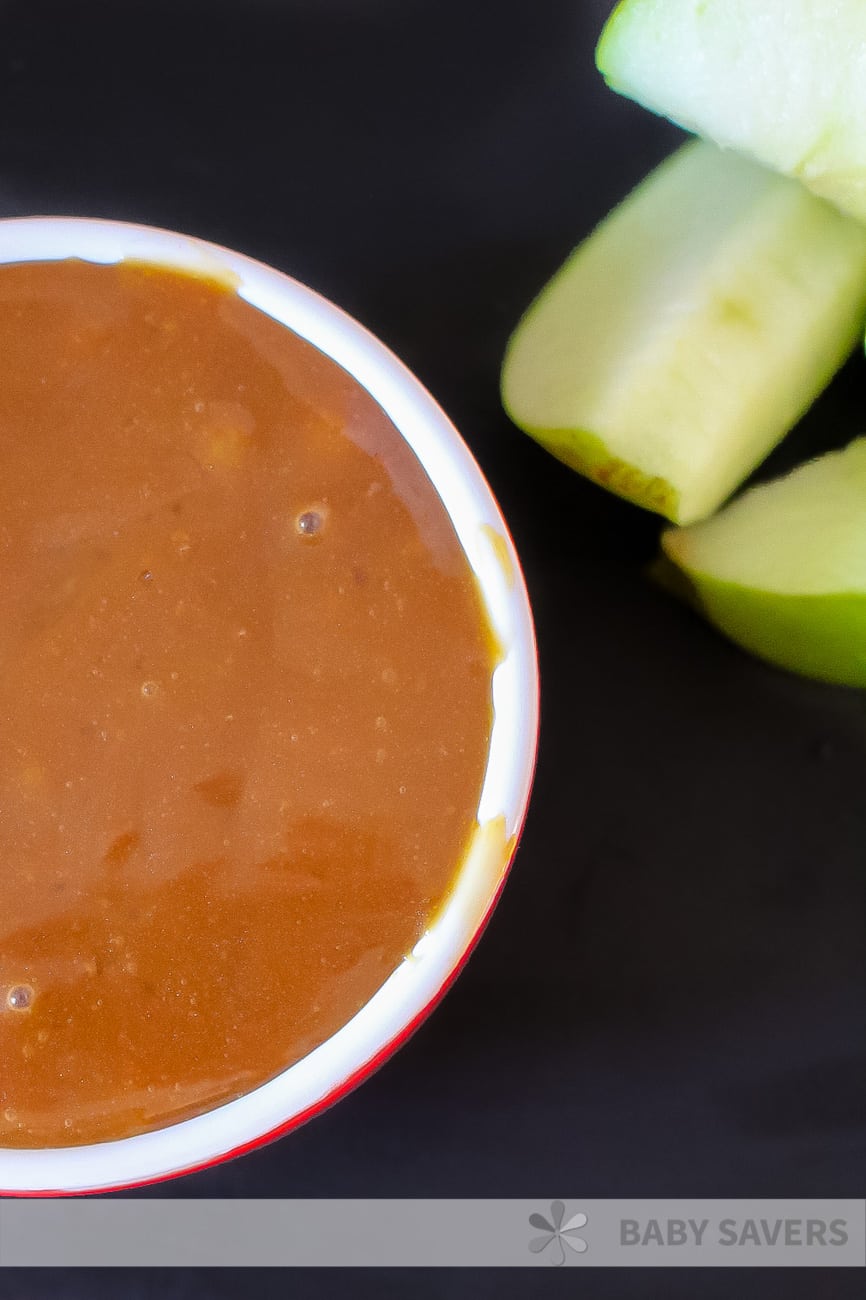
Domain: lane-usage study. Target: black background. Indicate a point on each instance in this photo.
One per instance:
(669, 999)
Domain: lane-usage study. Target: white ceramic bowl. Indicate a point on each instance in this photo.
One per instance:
(413, 989)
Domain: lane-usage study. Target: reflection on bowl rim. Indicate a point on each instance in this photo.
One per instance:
(403, 1001)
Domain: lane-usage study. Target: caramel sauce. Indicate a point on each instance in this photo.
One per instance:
(245, 699)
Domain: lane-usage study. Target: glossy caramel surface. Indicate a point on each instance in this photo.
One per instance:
(244, 699)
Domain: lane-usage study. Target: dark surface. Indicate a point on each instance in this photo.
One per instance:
(669, 999)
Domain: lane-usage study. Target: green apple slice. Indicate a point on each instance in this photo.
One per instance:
(689, 332)
(782, 570)
(781, 80)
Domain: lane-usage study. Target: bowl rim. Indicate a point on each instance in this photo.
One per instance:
(359, 1047)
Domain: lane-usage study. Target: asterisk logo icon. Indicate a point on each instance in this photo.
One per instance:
(557, 1234)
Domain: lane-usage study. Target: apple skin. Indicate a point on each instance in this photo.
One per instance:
(819, 636)
(587, 454)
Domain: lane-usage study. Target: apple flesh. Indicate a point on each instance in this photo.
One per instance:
(689, 332)
(782, 570)
(783, 81)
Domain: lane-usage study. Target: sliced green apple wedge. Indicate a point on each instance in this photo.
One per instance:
(781, 80)
(689, 332)
(782, 570)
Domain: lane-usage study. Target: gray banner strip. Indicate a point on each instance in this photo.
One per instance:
(433, 1233)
